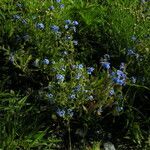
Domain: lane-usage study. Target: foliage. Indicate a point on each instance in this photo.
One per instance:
(73, 70)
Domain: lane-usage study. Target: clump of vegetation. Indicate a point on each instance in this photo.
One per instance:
(74, 75)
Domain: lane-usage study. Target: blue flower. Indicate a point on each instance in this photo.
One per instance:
(51, 8)
(19, 5)
(133, 79)
(119, 109)
(72, 96)
(40, 26)
(11, 58)
(121, 74)
(75, 42)
(79, 66)
(46, 61)
(70, 112)
(24, 21)
(16, 17)
(90, 70)
(68, 21)
(75, 23)
(55, 28)
(50, 98)
(77, 88)
(130, 52)
(66, 26)
(112, 74)
(119, 81)
(122, 66)
(50, 95)
(90, 98)
(111, 92)
(133, 38)
(116, 80)
(106, 65)
(58, 1)
(60, 77)
(62, 6)
(61, 113)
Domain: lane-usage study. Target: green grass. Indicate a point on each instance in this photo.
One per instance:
(38, 110)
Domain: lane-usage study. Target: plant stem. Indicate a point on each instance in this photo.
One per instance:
(69, 137)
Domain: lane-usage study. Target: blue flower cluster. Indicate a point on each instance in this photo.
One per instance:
(133, 80)
(40, 26)
(51, 8)
(24, 21)
(11, 58)
(71, 25)
(46, 61)
(62, 6)
(80, 66)
(50, 95)
(54, 28)
(111, 92)
(68, 21)
(119, 77)
(19, 5)
(119, 109)
(72, 96)
(16, 17)
(105, 65)
(63, 112)
(19, 18)
(130, 52)
(58, 1)
(90, 70)
(90, 98)
(60, 77)
(122, 66)
(77, 88)
(50, 98)
(75, 42)
(133, 38)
